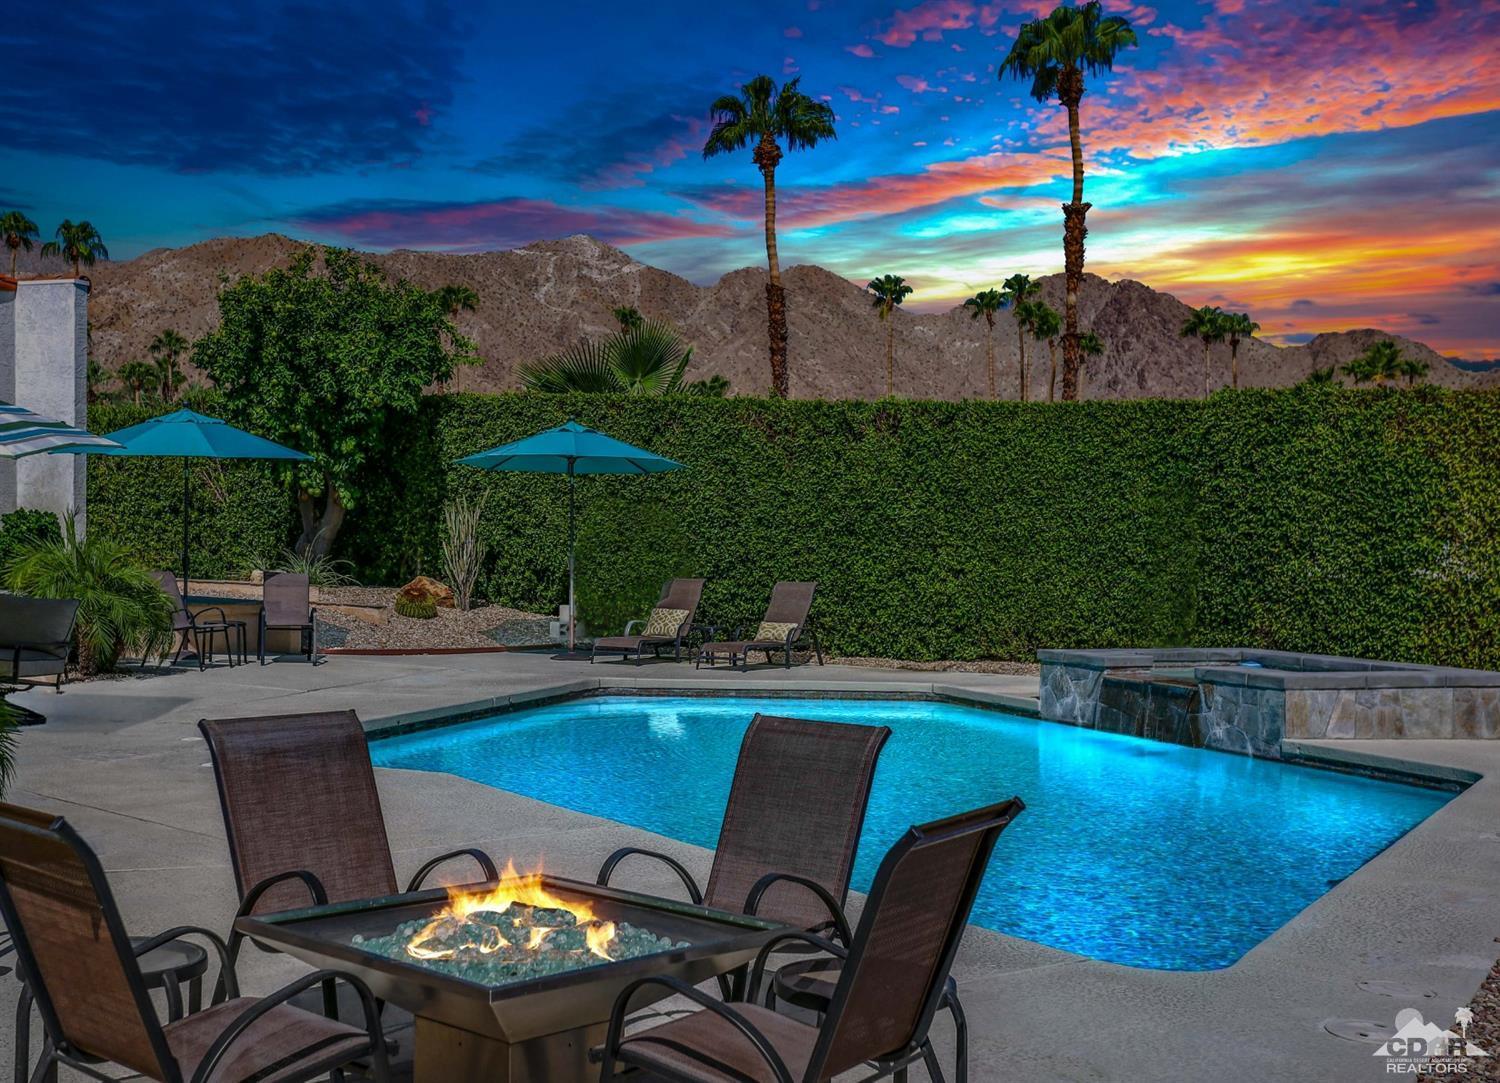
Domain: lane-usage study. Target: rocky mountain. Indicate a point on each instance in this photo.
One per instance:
(537, 299)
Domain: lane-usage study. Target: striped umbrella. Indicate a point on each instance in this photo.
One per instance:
(25, 433)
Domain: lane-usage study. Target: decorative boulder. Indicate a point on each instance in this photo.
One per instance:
(423, 587)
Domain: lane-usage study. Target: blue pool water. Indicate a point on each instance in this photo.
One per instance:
(1132, 851)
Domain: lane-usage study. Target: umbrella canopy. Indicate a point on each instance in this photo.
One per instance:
(185, 434)
(25, 433)
(571, 449)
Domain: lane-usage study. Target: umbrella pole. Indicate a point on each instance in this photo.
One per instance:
(187, 497)
(572, 536)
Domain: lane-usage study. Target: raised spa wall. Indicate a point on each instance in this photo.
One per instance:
(1209, 698)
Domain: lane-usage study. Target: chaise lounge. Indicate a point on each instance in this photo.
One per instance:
(670, 621)
(36, 637)
(784, 626)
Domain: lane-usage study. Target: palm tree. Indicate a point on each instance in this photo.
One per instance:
(627, 316)
(1054, 53)
(1046, 324)
(762, 114)
(1381, 362)
(18, 231)
(986, 303)
(1015, 293)
(97, 377)
(167, 347)
(456, 299)
(889, 291)
(137, 376)
(1320, 378)
(1090, 345)
(647, 360)
(1238, 326)
(78, 243)
(1413, 369)
(1207, 325)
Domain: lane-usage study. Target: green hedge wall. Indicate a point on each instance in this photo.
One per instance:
(1309, 519)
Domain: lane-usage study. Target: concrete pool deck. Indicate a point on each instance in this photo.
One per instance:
(122, 759)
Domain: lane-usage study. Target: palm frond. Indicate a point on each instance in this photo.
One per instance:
(585, 366)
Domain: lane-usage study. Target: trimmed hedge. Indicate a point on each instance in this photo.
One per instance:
(1308, 519)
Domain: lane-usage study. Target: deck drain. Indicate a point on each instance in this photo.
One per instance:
(1359, 1030)
(1399, 990)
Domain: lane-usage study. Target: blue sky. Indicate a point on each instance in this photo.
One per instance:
(1323, 165)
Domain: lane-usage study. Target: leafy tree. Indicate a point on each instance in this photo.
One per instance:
(1237, 327)
(19, 233)
(332, 363)
(888, 291)
(1089, 345)
(986, 303)
(627, 316)
(761, 114)
(1054, 53)
(1382, 363)
(1046, 325)
(1016, 293)
(167, 348)
(137, 376)
(647, 360)
(79, 243)
(1206, 324)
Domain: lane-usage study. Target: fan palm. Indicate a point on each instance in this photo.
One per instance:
(1207, 325)
(19, 232)
(455, 299)
(627, 316)
(120, 606)
(1016, 293)
(986, 303)
(1089, 345)
(167, 347)
(649, 360)
(137, 376)
(1054, 53)
(762, 114)
(1381, 363)
(79, 243)
(1046, 325)
(1321, 377)
(1237, 326)
(888, 291)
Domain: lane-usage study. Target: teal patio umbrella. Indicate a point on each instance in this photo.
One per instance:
(571, 449)
(23, 433)
(185, 435)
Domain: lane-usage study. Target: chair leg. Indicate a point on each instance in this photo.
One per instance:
(929, 1058)
(960, 1038)
(23, 1034)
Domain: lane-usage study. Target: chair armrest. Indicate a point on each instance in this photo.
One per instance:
(193, 617)
(481, 858)
(607, 870)
(759, 1041)
(770, 879)
(758, 968)
(629, 625)
(253, 896)
(246, 1019)
(228, 979)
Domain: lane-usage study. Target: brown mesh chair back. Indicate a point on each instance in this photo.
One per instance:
(298, 792)
(287, 600)
(74, 954)
(181, 622)
(790, 603)
(796, 806)
(908, 935)
(681, 594)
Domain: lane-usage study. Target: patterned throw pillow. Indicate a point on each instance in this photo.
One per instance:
(664, 622)
(773, 631)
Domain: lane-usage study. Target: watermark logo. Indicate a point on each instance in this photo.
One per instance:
(1423, 1049)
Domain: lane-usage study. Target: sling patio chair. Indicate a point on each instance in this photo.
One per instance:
(785, 624)
(86, 979)
(195, 626)
(893, 977)
(791, 828)
(287, 606)
(302, 813)
(670, 621)
(36, 638)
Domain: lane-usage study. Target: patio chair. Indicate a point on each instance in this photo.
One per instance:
(670, 621)
(785, 624)
(287, 606)
(194, 626)
(893, 979)
(83, 972)
(36, 637)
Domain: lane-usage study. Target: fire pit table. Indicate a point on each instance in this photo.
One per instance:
(469, 963)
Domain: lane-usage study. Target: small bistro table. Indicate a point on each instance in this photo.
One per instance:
(537, 1030)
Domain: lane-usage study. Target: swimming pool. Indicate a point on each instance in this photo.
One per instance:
(1132, 851)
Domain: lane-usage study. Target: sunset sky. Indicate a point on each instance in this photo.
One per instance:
(1321, 165)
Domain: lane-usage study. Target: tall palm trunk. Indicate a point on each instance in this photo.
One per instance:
(890, 355)
(989, 350)
(767, 157)
(1070, 92)
(1052, 376)
(1234, 363)
(1205, 367)
(1021, 342)
(15, 250)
